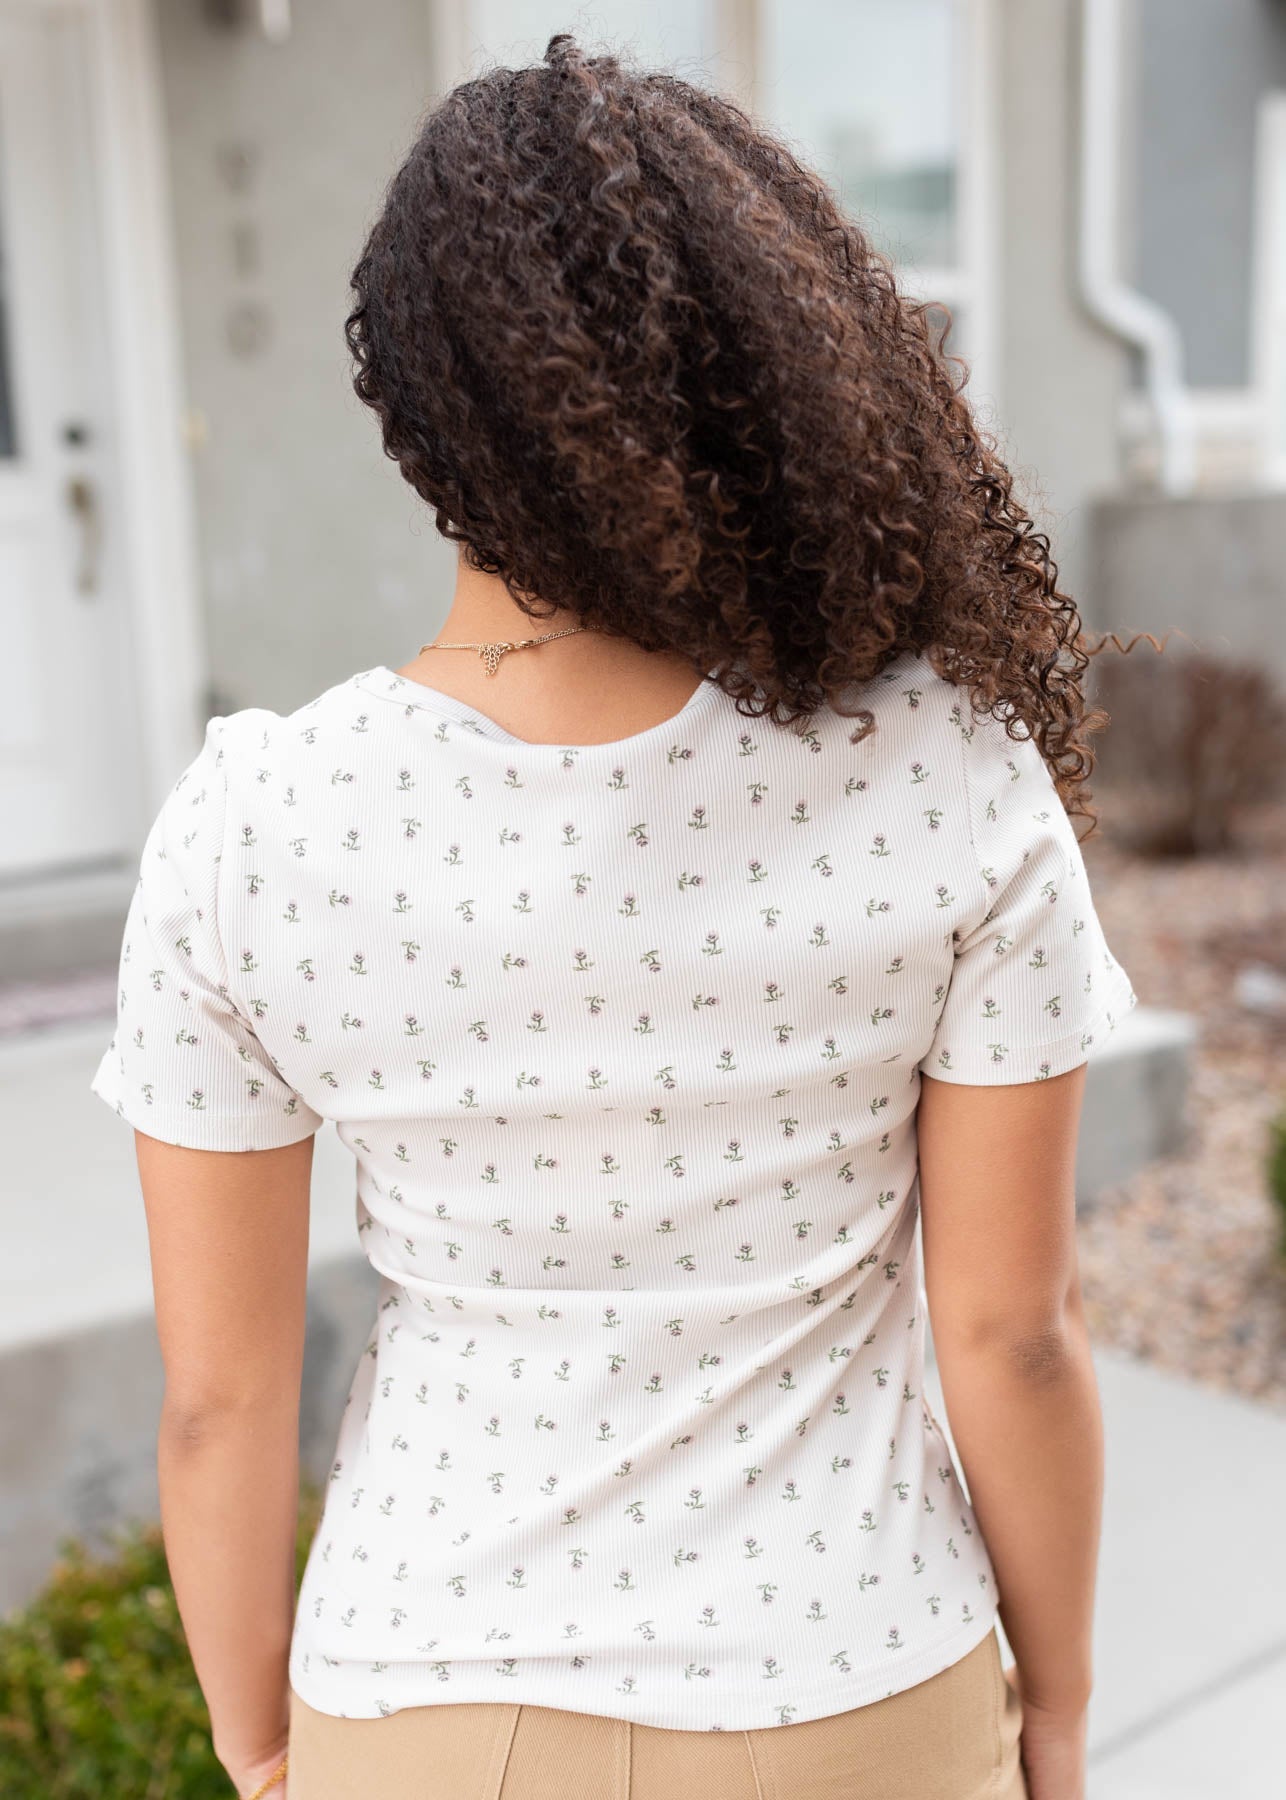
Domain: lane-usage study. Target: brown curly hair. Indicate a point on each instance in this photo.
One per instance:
(643, 368)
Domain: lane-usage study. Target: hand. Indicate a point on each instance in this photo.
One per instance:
(246, 1776)
(1053, 1748)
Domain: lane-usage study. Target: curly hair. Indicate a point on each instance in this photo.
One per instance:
(643, 368)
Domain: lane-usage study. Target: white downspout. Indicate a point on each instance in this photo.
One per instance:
(1129, 315)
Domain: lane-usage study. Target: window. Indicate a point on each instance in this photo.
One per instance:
(886, 98)
(867, 89)
(671, 32)
(889, 99)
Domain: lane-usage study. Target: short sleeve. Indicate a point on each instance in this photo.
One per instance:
(184, 1064)
(1034, 989)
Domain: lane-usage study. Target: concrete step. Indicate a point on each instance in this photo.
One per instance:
(1136, 1098)
(64, 920)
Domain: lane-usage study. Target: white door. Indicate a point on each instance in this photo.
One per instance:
(68, 751)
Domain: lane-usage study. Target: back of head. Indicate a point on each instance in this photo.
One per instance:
(642, 367)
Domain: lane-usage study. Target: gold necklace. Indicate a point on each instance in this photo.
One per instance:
(491, 653)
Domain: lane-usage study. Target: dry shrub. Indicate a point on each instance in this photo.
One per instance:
(1195, 739)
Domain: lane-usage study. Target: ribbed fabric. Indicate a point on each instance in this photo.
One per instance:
(626, 1040)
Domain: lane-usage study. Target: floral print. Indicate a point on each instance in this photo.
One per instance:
(626, 1040)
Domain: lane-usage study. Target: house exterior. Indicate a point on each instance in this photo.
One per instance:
(194, 512)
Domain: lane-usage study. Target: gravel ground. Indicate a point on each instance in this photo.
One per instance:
(1181, 1265)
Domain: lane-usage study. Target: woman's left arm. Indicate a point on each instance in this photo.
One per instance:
(229, 1246)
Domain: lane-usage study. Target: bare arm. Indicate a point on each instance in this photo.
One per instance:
(229, 1246)
(997, 1174)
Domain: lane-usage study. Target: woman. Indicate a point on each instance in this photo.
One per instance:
(696, 915)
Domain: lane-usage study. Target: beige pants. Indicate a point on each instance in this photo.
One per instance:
(953, 1737)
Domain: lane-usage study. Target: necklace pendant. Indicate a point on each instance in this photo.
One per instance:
(491, 654)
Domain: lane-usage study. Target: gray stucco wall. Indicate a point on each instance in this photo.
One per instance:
(1206, 565)
(315, 558)
(1202, 68)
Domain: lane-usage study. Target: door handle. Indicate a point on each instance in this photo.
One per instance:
(82, 500)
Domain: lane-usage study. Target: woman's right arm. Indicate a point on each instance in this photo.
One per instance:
(997, 1195)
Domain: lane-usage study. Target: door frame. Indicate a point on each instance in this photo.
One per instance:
(161, 589)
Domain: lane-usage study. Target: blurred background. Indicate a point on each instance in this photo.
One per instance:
(195, 517)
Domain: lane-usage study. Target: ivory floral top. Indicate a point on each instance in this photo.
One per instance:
(626, 1040)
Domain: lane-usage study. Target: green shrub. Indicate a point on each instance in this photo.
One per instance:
(1277, 1170)
(98, 1697)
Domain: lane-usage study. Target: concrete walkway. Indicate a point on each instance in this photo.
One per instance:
(1191, 1643)
(1190, 1640)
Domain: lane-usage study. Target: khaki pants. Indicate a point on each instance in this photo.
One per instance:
(953, 1737)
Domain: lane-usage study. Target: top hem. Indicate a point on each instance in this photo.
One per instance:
(821, 1700)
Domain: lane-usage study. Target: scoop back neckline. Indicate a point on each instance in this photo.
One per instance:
(387, 684)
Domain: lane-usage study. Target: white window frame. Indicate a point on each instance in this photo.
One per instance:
(973, 286)
(1267, 397)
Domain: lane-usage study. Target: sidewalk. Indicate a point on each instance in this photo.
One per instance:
(1191, 1640)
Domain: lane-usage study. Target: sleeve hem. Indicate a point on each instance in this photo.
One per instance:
(194, 1130)
(1012, 1065)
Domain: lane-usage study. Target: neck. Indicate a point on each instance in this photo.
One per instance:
(483, 611)
(590, 680)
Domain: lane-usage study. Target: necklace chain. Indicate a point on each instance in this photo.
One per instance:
(492, 653)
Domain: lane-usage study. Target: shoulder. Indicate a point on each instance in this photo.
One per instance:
(252, 744)
(993, 796)
(909, 688)
(187, 827)
(240, 753)
(988, 751)
(915, 710)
